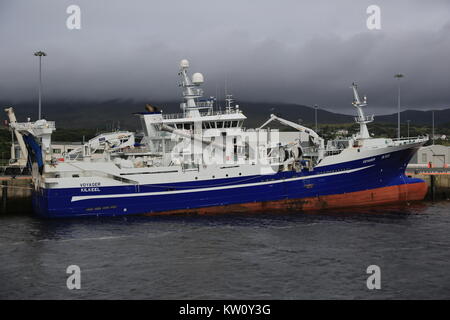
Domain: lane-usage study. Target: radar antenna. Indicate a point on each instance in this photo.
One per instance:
(191, 88)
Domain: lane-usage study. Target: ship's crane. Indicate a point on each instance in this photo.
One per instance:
(112, 141)
(22, 160)
(316, 138)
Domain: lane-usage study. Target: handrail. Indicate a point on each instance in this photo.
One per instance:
(409, 138)
(203, 114)
(364, 118)
(33, 125)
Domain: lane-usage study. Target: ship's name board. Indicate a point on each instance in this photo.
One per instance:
(369, 160)
(90, 187)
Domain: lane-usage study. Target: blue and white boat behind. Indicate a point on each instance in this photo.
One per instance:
(203, 161)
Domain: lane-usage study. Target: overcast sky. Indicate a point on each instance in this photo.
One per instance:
(305, 52)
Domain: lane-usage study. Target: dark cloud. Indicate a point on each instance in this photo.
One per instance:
(303, 52)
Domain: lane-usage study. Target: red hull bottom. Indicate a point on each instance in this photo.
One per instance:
(386, 195)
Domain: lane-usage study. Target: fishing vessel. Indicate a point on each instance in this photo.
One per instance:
(203, 160)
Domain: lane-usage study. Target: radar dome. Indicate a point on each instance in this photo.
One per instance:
(197, 78)
(184, 63)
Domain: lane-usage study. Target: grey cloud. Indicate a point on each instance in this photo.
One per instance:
(304, 52)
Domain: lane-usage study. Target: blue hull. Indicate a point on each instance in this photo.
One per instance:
(359, 175)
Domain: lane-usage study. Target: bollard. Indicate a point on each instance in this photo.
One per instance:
(433, 187)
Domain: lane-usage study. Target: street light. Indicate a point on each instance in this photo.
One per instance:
(40, 54)
(408, 121)
(398, 76)
(432, 125)
(315, 114)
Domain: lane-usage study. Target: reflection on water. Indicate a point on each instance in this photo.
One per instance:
(273, 255)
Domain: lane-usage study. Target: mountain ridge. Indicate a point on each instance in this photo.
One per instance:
(107, 114)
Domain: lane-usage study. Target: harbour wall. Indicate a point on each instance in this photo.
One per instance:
(438, 182)
(15, 194)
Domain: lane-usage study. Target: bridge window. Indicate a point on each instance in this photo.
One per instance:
(206, 125)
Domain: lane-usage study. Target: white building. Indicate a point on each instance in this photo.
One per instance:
(342, 132)
(438, 136)
(438, 155)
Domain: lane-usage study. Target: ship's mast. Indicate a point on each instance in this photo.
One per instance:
(191, 89)
(191, 92)
(362, 119)
(228, 101)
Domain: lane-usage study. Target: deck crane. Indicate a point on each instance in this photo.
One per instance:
(317, 140)
(22, 160)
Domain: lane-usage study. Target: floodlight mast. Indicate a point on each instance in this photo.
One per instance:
(398, 76)
(40, 54)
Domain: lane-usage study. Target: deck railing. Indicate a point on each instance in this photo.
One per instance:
(33, 125)
(364, 119)
(203, 114)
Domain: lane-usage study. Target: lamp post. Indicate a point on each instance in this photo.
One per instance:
(40, 54)
(408, 121)
(432, 125)
(398, 76)
(315, 115)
